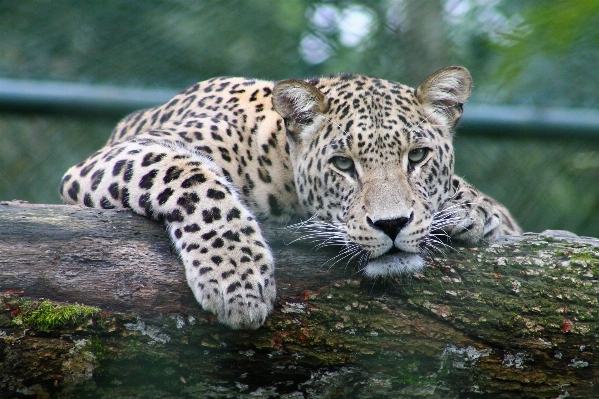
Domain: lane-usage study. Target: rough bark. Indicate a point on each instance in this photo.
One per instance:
(516, 318)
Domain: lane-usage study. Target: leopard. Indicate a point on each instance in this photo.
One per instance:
(363, 163)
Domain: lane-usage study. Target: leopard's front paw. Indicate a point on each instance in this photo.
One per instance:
(241, 301)
(231, 273)
(472, 216)
(472, 222)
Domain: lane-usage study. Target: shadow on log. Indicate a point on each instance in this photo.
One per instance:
(518, 318)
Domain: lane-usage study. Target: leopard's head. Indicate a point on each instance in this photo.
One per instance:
(373, 160)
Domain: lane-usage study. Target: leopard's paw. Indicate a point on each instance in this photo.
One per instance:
(472, 222)
(233, 275)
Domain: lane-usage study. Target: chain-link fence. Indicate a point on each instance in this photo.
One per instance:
(547, 182)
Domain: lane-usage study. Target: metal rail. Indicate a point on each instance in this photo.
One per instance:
(504, 120)
(28, 96)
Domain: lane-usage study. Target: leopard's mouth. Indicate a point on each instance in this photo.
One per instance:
(394, 250)
(397, 251)
(393, 262)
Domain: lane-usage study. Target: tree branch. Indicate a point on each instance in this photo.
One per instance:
(517, 318)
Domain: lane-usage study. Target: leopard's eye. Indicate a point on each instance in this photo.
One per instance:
(344, 164)
(417, 155)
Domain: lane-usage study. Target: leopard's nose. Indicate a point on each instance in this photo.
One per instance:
(391, 227)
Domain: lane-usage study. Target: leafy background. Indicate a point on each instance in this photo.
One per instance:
(537, 53)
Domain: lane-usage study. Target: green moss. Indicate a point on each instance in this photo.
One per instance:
(584, 256)
(98, 349)
(45, 316)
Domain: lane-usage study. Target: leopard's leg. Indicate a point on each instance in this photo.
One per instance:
(228, 265)
(473, 216)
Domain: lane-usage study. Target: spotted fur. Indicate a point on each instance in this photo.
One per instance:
(365, 163)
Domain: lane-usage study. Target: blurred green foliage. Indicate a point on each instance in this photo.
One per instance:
(533, 52)
(548, 58)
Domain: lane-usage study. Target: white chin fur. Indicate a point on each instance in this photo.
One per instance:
(394, 264)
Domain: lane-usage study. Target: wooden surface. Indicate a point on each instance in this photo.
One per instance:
(118, 260)
(517, 318)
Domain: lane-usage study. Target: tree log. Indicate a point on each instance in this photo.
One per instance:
(516, 318)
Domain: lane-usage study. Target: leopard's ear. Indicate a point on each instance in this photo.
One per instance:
(444, 92)
(300, 104)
